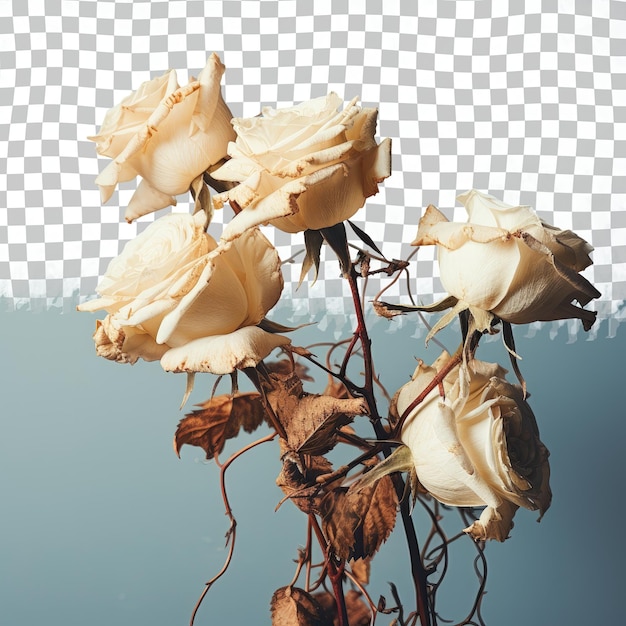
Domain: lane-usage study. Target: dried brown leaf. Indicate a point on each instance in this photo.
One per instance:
(360, 569)
(382, 310)
(311, 421)
(299, 350)
(202, 197)
(297, 479)
(285, 367)
(357, 522)
(292, 606)
(359, 613)
(219, 419)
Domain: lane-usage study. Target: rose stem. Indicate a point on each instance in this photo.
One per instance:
(335, 573)
(231, 534)
(435, 382)
(417, 567)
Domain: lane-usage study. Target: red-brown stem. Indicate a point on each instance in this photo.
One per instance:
(232, 530)
(435, 382)
(335, 573)
(366, 345)
(418, 572)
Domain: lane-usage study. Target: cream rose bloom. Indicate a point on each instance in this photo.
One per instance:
(305, 167)
(175, 295)
(167, 135)
(478, 446)
(507, 262)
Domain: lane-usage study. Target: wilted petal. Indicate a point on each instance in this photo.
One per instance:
(241, 282)
(146, 199)
(111, 175)
(223, 354)
(121, 122)
(215, 305)
(125, 345)
(543, 290)
(493, 523)
(490, 211)
(496, 266)
(567, 247)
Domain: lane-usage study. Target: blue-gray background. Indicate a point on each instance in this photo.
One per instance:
(102, 524)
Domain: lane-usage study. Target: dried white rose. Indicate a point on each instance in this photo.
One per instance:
(167, 135)
(305, 167)
(507, 262)
(478, 446)
(175, 295)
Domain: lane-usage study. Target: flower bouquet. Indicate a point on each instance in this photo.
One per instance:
(458, 435)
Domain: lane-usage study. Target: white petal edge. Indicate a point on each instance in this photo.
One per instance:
(222, 354)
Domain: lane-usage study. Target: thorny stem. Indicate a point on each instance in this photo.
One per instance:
(417, 567)
(363, 590)
(366, 345)
(335, 573)
(435, 382)
(232, 530)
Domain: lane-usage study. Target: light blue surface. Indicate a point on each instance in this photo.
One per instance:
(102, 524)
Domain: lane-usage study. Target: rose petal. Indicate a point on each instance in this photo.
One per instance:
(487, 210)
(223, 354)
(492, 267)
(494, 523)
(123, 120)
(241, 282)
(125, 345)
(567, 247)
(111, 175)
(147, 199)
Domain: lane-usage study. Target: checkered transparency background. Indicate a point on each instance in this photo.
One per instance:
(524, 100)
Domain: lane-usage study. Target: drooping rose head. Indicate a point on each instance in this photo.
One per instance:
(478, 446)
(507, 262)
(165, 134)
(175, 295)
(305, 167)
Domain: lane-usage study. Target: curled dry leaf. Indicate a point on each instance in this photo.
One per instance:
(298, 480)
(292, 606)
(382, 309)
(217, 420)
(311, 421)
(358, 611)
(360, 569)
(286, 367)
(357, 522)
